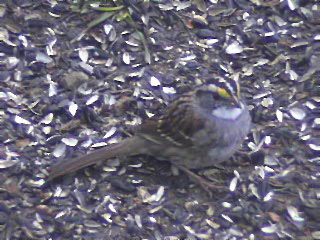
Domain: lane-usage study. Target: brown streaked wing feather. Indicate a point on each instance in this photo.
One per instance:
(174, 124)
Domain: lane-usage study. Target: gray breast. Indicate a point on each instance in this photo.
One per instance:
(230, 134)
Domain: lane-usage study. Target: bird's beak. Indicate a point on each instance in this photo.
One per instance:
(236, 101)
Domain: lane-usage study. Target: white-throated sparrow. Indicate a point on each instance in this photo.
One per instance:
(198, 129)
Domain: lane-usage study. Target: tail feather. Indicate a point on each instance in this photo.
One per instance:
(130, 146)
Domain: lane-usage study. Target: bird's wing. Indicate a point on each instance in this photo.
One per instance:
(177, 124)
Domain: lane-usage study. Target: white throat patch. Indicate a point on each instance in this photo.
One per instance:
(227, 113)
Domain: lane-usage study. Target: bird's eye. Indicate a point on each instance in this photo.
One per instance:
(207, 99)
(216, 96)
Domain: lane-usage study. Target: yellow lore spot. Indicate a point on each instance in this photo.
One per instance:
(223, 93)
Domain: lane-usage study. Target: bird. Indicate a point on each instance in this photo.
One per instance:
(200, 128)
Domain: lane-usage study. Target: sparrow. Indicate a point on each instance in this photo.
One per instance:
(200, 128)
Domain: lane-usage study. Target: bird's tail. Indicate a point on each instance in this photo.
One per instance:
(127, 147)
